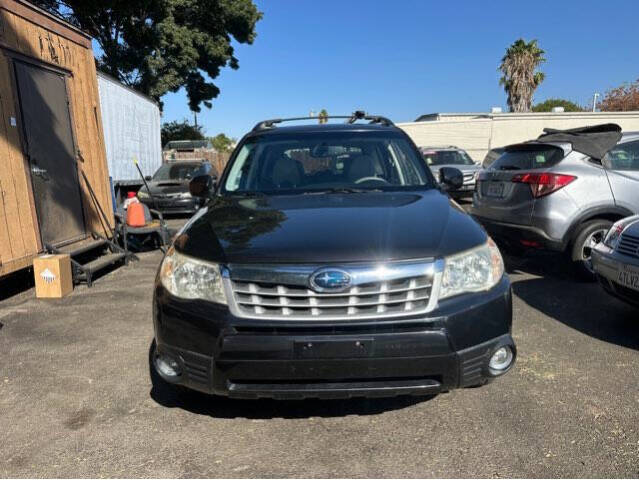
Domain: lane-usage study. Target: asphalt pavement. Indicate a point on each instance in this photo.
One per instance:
(76, 398)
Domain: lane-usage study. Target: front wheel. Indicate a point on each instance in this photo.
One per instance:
(588, 235)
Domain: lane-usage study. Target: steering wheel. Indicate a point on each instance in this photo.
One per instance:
(371, 179)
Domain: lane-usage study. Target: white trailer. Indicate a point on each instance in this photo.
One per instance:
(131, 124)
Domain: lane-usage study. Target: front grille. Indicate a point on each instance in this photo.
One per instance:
(629, 245)
(388, 297)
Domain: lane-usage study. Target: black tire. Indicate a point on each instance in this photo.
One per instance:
(588, 234)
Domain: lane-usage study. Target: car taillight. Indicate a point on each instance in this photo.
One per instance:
(543, 183)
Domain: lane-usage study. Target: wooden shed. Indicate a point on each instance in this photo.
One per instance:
(54, 186)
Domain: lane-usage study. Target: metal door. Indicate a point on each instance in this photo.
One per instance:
(48, 138)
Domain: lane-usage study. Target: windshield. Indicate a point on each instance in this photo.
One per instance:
(176, 171)
(436, 158)
(326, 161)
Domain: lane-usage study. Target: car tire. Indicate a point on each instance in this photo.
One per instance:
(588, 234)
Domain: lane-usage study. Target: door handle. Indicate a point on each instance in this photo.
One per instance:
(40, 172)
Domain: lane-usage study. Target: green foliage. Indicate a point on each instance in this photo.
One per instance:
(181, 131)
(549, 104)
(520, 78)
(222, 143)
(160, 46)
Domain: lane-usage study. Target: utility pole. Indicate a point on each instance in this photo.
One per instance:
(594, 101)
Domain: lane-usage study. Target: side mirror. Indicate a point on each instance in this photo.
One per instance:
(148, 178)
(202, 186)
(451, 178)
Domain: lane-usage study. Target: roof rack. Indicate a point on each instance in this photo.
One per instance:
(357, 115)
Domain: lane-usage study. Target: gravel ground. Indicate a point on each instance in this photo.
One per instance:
(76, 398)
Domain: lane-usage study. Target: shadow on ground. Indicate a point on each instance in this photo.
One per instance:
(16, 283)
(584, 307)
(222, 407)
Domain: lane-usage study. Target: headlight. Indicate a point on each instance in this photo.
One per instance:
(612, 237)
(186, 277)
(472, 271)
(142, 194)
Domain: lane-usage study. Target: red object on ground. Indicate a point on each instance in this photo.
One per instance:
(135, 215)
(130, 195)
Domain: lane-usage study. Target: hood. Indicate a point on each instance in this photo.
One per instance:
(167, 187)
(322, 229)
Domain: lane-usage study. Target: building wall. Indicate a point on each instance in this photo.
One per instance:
(478, 135)
(131, 124)
(27, 31)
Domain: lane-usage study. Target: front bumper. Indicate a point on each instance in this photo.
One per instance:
(607, 264)
(225, 355)
(466, 190)
(174, 205)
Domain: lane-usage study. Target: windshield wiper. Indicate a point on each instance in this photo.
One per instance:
(250, 194)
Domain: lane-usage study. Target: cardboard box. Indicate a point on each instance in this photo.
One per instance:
(53, 277)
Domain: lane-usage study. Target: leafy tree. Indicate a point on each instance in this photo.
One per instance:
(323, 116)
(519, 76)
(549, 104)
(159, 46)
(222, 143)
(622, 98)
(181, 131)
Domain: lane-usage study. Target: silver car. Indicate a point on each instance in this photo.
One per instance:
(561, 192)
(616, 260)
(438, 157)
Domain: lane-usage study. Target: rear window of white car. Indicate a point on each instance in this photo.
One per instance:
(528, 157)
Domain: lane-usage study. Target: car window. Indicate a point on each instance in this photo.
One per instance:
(528, 157)
(624, 156)
(176, 171)
(446, 157)
(326, 160)
(205, 169)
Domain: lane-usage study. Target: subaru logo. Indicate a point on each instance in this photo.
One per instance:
(330, 279)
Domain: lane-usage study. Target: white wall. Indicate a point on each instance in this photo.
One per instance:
(131, 130)
(478, 135)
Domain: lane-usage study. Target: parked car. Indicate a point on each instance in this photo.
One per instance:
(168, 189)
(492, 155)
(561, 192)
(438, 157)
(616, 260)
(329, 263)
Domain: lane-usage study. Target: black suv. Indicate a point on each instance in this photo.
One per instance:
(329, 263)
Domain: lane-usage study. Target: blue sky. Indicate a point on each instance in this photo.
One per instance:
(405, 58)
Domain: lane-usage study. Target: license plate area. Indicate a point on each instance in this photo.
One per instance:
(495, 189)
(628, 276)
(328, 349)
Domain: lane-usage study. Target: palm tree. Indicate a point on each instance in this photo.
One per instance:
(519, 76)
(323, 116)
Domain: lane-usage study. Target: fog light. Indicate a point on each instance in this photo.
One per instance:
(167, 366)
(501, 360)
